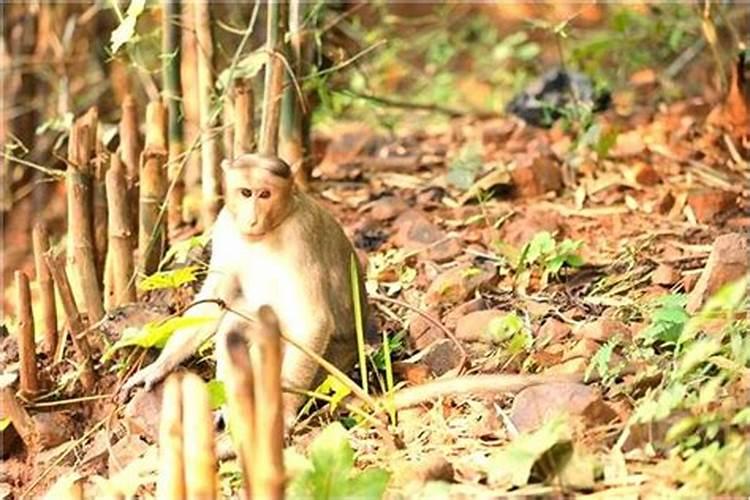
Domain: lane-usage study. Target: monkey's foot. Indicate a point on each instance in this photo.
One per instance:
(147, 377)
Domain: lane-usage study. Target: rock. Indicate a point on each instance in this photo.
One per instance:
(98, 448)
(602, 329)
(707, 204)
(729, 260)
(433, 467)
(141, 415)
(474, 326)
(341, 157)
(644, 174)
(521, 230)
(451, 319)
(689, 281)
(664, 274)
(125, 451)
(11, 442)
(387, 208)
(552, 331)
(53, 428)
(583, 349)
(441, 357)
(497, 130)
(445, 251)
(422, 332)
(458, 284)
(537, 177)
(537, 404)
(415, 231)
(665, 203)
(628, 144)
(569, 367)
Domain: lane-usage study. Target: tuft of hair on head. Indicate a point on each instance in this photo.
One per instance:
(276, 166)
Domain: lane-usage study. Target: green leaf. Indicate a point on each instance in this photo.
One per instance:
(217, 395)
(332, 474)
(125, 31)
(4, 423)
(696, 354)
(156, 333)
(512, 465)
(180, 250)
(169, 279)
(465, 166)
(247, 67)
(504, 327)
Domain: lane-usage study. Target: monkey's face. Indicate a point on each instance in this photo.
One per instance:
(257, 199)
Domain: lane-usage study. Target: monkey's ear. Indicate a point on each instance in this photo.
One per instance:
(226, 164)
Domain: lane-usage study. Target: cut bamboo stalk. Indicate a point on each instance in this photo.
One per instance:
(241, 405)
(100, 164)
(121, 236)
(171, 482)
(75, 322)
(229, 123)
(11, 408)
(191, 105)
(199, 454)
(153, 189)
(244, 114)
(211, 186)
(269, 444)
(26, 346)
(47, 306)
(274, 79)
(130, 150)
(173, 97)
(81, 256)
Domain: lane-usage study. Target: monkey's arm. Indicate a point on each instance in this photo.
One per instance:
(219, 284)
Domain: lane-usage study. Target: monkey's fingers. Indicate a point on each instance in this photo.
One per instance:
(139, 378)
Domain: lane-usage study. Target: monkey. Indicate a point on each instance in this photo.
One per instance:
(272, 244)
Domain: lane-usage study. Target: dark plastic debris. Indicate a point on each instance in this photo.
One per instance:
(545, 99)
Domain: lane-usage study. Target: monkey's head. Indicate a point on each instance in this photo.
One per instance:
(259, 192)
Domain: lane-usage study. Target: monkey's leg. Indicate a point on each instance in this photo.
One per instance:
(297, 370)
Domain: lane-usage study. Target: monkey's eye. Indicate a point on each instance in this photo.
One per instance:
(265, 193)
(247, 193)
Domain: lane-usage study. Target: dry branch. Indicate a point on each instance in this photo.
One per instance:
(171, 483)
(98, 194)
(211, 186)
(241, 404)
(199, 454)
(153, 189)
(228, 122)
(244, 114)
(81, 256)
(26, 345)
(12, 409)
(274, 79)
(46, 287)
(75, 322)
(191, 105)
(121, 235)
(269, 472)
(173, 96)
(130, 150)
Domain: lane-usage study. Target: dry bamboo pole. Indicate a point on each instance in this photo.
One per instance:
(130, 150)
(244, 114)
(211, 185)
(171, 41)
(75, 322)
(199, 454)
(274, 79)
(121, 235)
(26, 346)
(191, 105)
(100, 164)
(269, 444)
(81, 254)
(171, 482)
(40, 239)
(241, 405)
(11, 408)
(229, 123)
(153, 189)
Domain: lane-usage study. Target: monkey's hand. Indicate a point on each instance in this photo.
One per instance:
(147, 377)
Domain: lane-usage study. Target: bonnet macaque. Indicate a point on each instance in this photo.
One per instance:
(273, 245)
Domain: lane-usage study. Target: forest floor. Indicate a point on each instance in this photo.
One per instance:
(591, 254)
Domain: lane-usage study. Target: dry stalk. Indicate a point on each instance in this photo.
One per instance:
(121, 235)
(191, 105)
(199, 453)
(171, 42)
(153, 189)
(211, 185)
(241, 404)
(229, 123)
(46, 287)
(26, 345)
(81, 256)
(272, 94)
(244, 114)
(99, 197)
(75, 322)
(11, 408)
(171, 482)
(130, 150)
